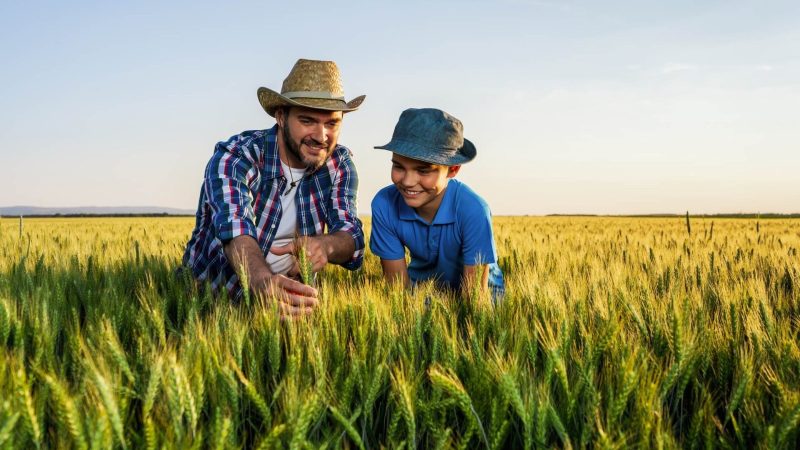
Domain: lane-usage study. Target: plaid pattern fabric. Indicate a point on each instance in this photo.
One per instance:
(241, 196)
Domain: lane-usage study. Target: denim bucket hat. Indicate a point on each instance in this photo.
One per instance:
(430, 135)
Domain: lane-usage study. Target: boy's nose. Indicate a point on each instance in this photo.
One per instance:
(409, 180)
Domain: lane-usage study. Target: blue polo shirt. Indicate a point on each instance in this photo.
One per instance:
(460, 234)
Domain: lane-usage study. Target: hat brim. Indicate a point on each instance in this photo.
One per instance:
(271, 101)
(412, 150)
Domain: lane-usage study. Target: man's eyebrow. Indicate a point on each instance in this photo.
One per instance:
(314, 119)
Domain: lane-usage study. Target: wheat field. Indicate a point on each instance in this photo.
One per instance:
(614, 333)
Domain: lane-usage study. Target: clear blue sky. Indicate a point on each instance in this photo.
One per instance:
(574, 106)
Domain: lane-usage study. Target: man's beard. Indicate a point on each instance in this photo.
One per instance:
(294, 148)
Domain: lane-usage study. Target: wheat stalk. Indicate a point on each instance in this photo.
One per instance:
(66, 412)
(304, 263)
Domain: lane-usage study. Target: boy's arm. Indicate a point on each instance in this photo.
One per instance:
(385, 242)
(478, 243)
(470, 277)
(396, 271)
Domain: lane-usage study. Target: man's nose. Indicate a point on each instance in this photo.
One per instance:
(319, 133)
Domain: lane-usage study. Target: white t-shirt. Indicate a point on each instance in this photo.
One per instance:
(287, 227)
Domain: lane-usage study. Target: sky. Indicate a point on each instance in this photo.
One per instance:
(612, 107)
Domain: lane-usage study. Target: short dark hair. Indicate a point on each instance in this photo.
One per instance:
(284, 109)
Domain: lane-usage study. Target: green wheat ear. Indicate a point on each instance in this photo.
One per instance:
(306, 272)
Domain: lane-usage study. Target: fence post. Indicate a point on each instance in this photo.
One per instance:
(688, 225)
(20, 226)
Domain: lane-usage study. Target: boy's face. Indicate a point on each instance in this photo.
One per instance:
(420, 183)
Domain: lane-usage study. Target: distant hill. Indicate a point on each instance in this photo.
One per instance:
(93, 211)
(694, 216)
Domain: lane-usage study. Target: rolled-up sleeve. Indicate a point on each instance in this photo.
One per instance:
(477, 235)
(383, 239)
(343, 214)
(229, 178)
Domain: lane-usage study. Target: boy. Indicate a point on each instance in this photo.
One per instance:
(444, 224)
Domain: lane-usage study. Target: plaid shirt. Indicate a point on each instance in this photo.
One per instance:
(241, 196)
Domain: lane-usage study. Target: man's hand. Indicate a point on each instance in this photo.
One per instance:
(292, 297)
(317, 251)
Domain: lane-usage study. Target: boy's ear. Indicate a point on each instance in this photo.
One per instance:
(452, 171)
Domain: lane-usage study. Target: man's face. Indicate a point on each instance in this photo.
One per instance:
(421, 184)
(309, 135)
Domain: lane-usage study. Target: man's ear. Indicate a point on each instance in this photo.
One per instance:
(452, 171)
(280, 116)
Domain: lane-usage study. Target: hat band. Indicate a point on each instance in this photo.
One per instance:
(311, 94)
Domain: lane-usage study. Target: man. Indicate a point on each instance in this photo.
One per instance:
(267, 193)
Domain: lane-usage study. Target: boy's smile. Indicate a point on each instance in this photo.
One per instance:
(421, 184)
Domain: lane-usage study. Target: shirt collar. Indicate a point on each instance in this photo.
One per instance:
(272, 157)
(444, 215)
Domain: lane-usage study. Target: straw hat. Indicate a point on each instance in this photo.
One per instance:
(312, 84)
(431, 135)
